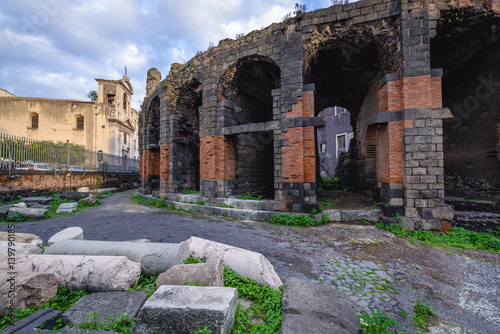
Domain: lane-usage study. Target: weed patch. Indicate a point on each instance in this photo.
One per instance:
(248, 196)
(377, 323)
(189, 191)
(421, 315)
(457, 237)
(289, 219)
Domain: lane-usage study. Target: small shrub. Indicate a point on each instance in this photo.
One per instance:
(191, 259)
(146, 284)
(377, 323)
(224, 205)
(421, 315)
(200, 202)
(289, 219)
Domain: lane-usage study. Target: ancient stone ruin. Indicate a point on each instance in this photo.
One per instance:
(420, 79)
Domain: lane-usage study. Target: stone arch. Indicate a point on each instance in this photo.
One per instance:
(248, 84)
(79, 122)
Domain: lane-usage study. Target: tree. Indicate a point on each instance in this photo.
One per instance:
(300, 8)
(92, 95)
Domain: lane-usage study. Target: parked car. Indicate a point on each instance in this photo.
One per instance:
(43, 166)
(76, 169)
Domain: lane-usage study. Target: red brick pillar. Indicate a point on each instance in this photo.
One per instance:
(217, 166)
(299, 157)
(150, 169)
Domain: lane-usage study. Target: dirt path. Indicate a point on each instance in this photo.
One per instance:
(376, 269)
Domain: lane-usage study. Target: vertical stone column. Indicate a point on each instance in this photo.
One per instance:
(422, 113)
(298, 155)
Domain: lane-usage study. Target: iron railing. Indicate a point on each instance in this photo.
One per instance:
(19, 153)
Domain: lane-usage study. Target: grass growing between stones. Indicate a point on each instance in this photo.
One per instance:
(64, 299)
(457, 237)
(421, 315)
(377, 323)
(289, 219)
(265, 315)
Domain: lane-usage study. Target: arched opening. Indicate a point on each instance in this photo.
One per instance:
(186, 138)
(125, 102)
(467, 48)
(346, 80)
(33, 120)
(151, 152)
(248, 85)
(79, 122)
(153, 124)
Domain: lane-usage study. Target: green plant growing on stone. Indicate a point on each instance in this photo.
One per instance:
(204, 330)
(421, 315)
(377, 323)
(189, 191)
(248, 196)
(224, 205)
(224, 213)
(399, 218)
(19, 218)
(200, 202)
(164, 84)
(289, 219)
(122, 324)
(146, 284)
(314, 211)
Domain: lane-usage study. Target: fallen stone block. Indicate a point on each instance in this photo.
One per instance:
(314, 308)
(31, 289)
(154, 258)
(244, 262)
(92, 273)
(4, 210)
(207, 274)
(21, 205)
(67, 207)
(186, 309)
(359, 215)
(73, 195)
(83, 190)
(30, 201)
(45, 318)
(18, 247)
(27, 212)
(25, 238)
(89, 200)
(106, 304)
(103, 190)
(70, 233)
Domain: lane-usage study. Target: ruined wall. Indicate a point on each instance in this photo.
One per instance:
(371, 57)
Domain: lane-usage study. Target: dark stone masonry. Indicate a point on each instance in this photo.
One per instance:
(242, 116)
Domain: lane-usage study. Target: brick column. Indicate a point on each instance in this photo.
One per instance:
(298, 156)
(150, 171)
(217, 166)
(164, 167)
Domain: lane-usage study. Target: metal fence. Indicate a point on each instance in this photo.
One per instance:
(19, 153)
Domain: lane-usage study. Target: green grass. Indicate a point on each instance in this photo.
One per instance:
(189, 191)
(146, 284)
(457, 237)
(248, 196)
(421, 315)
(289, 219)
(377, 323)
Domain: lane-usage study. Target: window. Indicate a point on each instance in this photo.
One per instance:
(111, 98)
(323, 148)
(124, 102)
(79, 122)
(341, 144)
(34, 121)
(124, 138)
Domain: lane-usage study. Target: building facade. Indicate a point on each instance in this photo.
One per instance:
(108, 124)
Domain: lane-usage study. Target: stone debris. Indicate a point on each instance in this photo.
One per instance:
(154, 258)
(67, 207)
(31, 289)
(186, 309)
(83, 190)
(244, 262)
(18, 247)
(25, 238)
(46, 317)
(309, 307)
(70, 233)
(31, 201)
(21, 205)
(206, 274)
(4, 210)
(27, 212)
(105, 304)
(91, 273)
(89, 200)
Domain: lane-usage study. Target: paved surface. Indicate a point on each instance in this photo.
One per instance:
(374, 268)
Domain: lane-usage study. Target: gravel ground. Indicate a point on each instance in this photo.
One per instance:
(376, 269)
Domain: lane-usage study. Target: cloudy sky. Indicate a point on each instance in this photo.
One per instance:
(55, 48)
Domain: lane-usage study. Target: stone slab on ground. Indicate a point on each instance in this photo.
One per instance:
(359, 215)
(333, 215)
(154, 258)
(30, 289)
(186, 309)
(89, 200)
(70, 233)
(46, 317)
(67, 207)
(25, 238)
(106, 303)
(77, 272)
(103, 190)
(244, 262)
(207, 274)
(28, 212)
(310, 307)
(73, 195)
(37, 200)
(83, 190)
